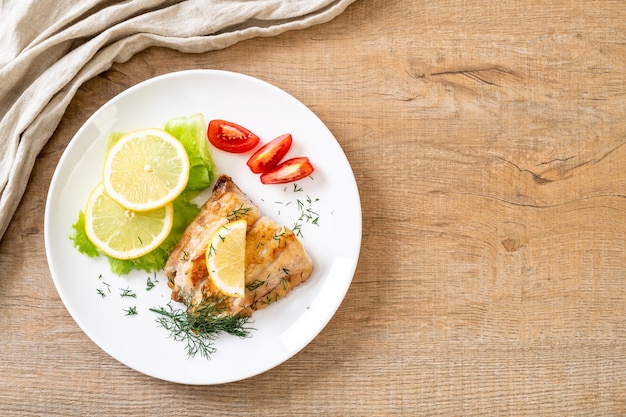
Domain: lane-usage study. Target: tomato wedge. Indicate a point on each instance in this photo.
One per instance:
(231, 137)
(270, 154)
(288, 171)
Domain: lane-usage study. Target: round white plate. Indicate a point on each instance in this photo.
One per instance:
(94, 296)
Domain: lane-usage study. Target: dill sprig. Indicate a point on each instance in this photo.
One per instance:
(238, 213)
(127, 292)
(131, 311)
(200, 326)
(254, 285)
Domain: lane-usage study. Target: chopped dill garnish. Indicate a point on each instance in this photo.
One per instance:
(198, 327)
(309, 216)
(149, 284)
(297, 229)
(127, 293)
(304, 208)
(254, 284)
(131, 311)
(238, 213)
(280, 237)
(211, 250)
(101, 293)
(269, 299)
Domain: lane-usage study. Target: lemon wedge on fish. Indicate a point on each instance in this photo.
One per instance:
(225, 258)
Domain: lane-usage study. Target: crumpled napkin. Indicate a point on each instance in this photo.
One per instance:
(49, 48)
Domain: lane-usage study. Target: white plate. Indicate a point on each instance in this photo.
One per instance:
(281, 330)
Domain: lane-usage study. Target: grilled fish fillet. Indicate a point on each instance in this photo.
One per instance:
(275, 262)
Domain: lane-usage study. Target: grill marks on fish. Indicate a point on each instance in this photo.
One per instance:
(276, 261)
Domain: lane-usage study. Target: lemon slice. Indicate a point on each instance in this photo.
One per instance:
(123, 233)
(146, 169)
(225, 258)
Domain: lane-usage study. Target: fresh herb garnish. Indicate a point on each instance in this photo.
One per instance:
(254, 284)
(305, 210)
(238, 213)
(269, 299)
(280, 237)
(211, 250)
(127, 292)
(108, 287)
(297, 229)
(131, 311)
(199, 326)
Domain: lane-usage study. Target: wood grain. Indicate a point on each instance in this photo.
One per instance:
(487, 139)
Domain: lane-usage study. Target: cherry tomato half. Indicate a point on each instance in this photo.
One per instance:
(288, 171)
(230, 137)
(270, 154)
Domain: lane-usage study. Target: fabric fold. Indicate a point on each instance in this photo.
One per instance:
(41, 73)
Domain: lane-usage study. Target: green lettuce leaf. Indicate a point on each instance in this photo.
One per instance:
(80, 239)
(191, 132)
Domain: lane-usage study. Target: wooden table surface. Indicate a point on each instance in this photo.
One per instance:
(487, 140)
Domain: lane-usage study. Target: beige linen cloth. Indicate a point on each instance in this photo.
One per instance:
(48, 48)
